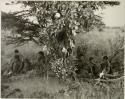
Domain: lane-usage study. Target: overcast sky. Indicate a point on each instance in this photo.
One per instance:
(112, 16)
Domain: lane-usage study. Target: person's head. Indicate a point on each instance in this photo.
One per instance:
(91, 59)
(105, 58)
(41, 54)
(16, 51)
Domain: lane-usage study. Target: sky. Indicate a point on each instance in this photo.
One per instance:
(112, 16)
(115, 16)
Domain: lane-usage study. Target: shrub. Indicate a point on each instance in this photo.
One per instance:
(62, 69)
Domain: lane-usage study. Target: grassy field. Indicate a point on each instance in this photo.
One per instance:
(36, 87)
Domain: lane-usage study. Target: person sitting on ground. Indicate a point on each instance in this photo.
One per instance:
(105, 65)
(83, 67)
(40, 63)
(27, 65)
(93, 67)
(17, 62)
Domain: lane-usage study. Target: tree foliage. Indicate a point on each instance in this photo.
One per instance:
(56, 22)
(75, 16)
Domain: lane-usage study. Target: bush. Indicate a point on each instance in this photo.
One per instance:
(62, 69)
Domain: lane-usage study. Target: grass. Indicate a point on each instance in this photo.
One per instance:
(38, 87)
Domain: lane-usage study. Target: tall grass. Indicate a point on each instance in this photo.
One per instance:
(38, 88)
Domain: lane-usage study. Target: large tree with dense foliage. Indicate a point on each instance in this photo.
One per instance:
(57, 22)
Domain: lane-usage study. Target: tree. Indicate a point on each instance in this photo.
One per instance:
(57, 23)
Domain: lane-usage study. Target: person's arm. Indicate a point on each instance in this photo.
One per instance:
(90, 69)
(102, 67)
(22, 63)
(11, 63)
(109, 66)
(21, 58)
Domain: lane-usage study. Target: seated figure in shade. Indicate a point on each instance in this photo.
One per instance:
(41, 67)
(17, 62)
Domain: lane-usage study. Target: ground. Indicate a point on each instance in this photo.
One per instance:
(29, 87)
(25, 86)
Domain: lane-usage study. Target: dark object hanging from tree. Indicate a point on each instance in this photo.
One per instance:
(61, 36)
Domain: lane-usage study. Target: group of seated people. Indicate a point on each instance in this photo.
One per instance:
(91, 69)
(19, 64)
